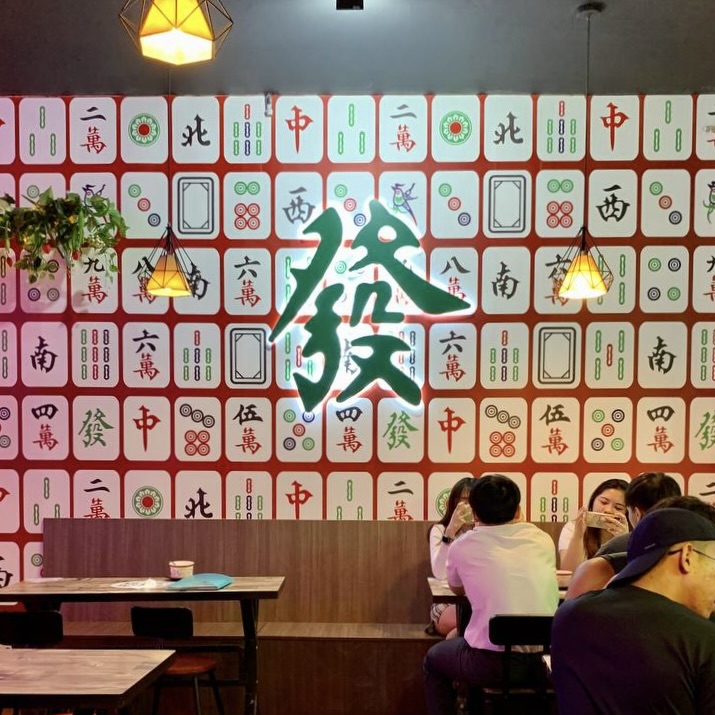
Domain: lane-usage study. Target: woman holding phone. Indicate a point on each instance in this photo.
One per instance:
(604, 518)
(457, 519)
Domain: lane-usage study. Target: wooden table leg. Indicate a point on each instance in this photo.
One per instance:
(249, 616)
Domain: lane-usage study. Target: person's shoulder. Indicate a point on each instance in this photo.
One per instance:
(615, 545)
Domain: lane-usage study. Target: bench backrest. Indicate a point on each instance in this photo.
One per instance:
(336, 571)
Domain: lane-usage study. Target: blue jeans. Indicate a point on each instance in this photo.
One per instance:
(455, 660)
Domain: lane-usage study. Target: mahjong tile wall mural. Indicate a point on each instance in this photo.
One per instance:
(375, 309)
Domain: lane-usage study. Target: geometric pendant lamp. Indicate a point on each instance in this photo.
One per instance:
(166, 271)
(177, 31)
(587, 274)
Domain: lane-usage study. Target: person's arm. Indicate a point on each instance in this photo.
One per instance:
(591, 575)
(441, 538)
(438, 551)
(573, 553)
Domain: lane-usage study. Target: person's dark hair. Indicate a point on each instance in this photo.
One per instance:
(650, 487)
(455, 495)
(592, 536)
(494, 499)
(707, 511)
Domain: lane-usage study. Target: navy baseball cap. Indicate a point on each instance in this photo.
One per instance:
(655, 534)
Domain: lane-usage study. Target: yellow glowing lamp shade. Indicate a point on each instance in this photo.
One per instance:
(167, 279)
(583, 279)
(177, 31)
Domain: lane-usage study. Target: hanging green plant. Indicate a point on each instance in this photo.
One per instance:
(68, 225)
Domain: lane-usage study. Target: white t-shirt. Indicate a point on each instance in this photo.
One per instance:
(566, 535)
(508, 568)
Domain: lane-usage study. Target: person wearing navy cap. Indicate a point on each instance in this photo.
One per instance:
(644, 644)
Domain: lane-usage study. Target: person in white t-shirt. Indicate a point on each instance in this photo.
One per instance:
(504, 565)
(579, 541)
(457, 519)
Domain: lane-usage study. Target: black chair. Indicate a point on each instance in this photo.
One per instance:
(165, 625)
(31, 629)
(520, 630)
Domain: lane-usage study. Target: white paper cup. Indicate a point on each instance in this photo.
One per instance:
(563, 578)
(181, 569)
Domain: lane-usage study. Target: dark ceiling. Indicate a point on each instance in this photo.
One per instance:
(392, 46)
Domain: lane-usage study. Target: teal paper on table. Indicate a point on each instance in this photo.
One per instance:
(201, 582)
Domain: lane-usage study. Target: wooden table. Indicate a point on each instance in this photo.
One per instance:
(442, 593)
(49, 678)
(249, 590)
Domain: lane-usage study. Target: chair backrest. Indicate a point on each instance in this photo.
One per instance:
(162, 623)
(519, 630)
(515, 630)
(31, 629)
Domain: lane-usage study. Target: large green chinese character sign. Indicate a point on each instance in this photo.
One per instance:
(323, 325)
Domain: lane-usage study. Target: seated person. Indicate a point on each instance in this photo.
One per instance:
(456, 520)
(644, 644)
(595, 573)
(503, 565)
(646, 490)
(578, 540)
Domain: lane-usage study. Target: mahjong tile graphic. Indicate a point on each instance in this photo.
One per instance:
(503, 429)
(349, 434)
(455, 128)
(42, 130)
(299, 495)
(146, 355)
(701, 443)
(555, 428)
(702, 355)
(96, 494)
(665, 202)
(662, 354)
(249, 495)
(46, 427)
(351, 129)
(554, 496)
(247, 129)
(147, 494)
(248, 429)
(664, 273)
(403, 128)
(198, 495)
(561, 127)
(197, 428)
(400, 496)
(195, 130)
(45, 495)
(299, 123)
(614, 127)
(93, 130)
(451, 430)
(660, 430)
(349, 496)
(508, 133)
(667, 127)
(607, 430)
(454, 207)
(611, 350)
(612, 203)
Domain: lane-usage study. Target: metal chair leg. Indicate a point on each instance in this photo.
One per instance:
(217, 693)
(197, 695)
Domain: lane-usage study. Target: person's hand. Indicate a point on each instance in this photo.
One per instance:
(580, 522)
(616, 524)
(461, 517)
